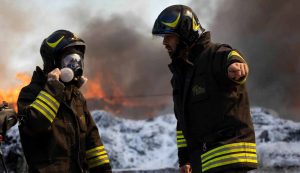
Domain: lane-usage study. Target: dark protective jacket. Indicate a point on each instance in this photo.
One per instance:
(214, 129)
(57, 131)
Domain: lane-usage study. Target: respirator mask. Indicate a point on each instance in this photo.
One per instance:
(71, 66)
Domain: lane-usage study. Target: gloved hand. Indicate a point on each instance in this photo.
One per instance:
(185, 169)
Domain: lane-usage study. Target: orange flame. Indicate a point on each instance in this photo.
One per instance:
(94, 89)
(11, 95)
(112, 98)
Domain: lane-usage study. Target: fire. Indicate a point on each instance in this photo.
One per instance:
(103, 92)
(11, 94)
(94, 89)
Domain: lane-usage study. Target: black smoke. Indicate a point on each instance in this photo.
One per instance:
(268, 33)
(127, 60)
(122, 52)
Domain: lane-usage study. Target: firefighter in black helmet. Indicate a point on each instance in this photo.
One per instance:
(214, 130)
(58, 133)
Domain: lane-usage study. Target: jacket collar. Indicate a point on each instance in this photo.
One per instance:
(200, 45)
(195, 50)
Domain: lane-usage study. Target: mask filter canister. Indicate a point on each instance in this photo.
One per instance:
(66, 75)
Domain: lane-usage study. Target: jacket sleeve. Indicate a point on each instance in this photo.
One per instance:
(224, 57)
(182, 147)
(96, 154)
(39, 105)
(232, 57)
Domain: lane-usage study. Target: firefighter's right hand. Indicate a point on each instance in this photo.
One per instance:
(54, 75)
(185, 169)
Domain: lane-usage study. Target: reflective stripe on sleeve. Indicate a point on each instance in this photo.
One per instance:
(95, 152)
(96, 156)
(44, 109)
(235, 53)
(181, 142)
(46, 105)
(51, 101)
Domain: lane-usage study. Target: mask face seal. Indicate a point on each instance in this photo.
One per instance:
(71, 66)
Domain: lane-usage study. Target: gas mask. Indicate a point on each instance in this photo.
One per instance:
(71, 67)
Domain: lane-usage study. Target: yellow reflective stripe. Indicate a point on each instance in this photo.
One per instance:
(229, 146)
(53, 45)
(51, 98)
(94, 149)
(179, 132)
(240, 82)
(230, 156)
(98, 164)
(180, 137)
(230, 162)
(229, 151)
(50, 112)
(48, 103)
(235, 53)
(98, 160)
(172, 24)
(195, 25)
(230, 159)
(181, 145)
(41, 111)
(181, 140)
(95, 154)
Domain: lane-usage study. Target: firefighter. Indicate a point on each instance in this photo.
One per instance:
(214, 128)
(58, 133)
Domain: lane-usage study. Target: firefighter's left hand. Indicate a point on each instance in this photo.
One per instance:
(185, 169)
(237, 70)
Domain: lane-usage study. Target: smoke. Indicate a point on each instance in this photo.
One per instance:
(268, 34)
(122, 53)
(128, 61)
(13, 27)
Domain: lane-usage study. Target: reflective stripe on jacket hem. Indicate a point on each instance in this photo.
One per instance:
(241, 152)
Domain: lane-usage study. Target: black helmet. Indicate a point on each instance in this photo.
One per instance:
(181, 20)
(53, 45)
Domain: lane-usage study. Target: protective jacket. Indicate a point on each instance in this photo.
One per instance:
(214, 129)
(57, 131)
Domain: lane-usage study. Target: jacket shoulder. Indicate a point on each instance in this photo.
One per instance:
(30, 91)
(35, 85)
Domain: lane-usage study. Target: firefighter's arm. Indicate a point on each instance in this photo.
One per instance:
(230, 67)
(39, 105)
(96, 155)
(237, 68)
(182, 147)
